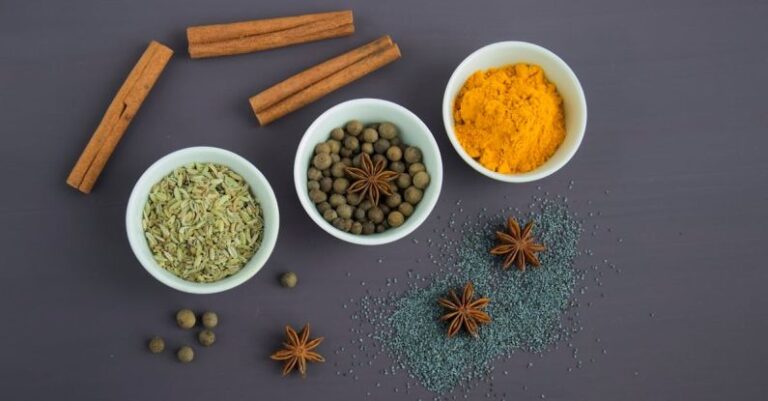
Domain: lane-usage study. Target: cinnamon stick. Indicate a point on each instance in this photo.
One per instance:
(294, 84)
(251, 36)
(118, 116)
(329, 84)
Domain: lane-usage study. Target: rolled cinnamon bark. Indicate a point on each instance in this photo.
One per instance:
(118, 116)
(252, 36)
(300, 81)
(329, 84)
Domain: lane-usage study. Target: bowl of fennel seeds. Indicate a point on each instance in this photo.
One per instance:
(202, 220)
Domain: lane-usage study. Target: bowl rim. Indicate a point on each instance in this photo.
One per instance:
(140, 193)
(393, 234)
(540, 172)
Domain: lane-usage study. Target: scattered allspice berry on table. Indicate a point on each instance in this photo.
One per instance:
(289, 280)
(206, 338)
(185, 354)
(156, 345)
(185, 318)
(210, 320)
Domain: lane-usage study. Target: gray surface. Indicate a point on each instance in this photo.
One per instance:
(677, 135)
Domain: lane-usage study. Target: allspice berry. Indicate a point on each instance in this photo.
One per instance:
(413, 195)
(289, 280)
(421, 180)
(322, 161)
(206, 338)
(210, 320)
(395, 219)
(185, 318)
(412, 154)
(156, 345)
(387, 130)
(354, 127)
(185, 354)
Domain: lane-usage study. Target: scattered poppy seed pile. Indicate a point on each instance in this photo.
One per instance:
(187, 320)
(526, 308)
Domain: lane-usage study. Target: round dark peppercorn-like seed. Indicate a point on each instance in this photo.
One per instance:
(405, 208)
(392, 187)
(312, 184)
(337, 200)
(335, 145)
(185, 354)
(360, 215)
(322, 161)
(335, 158)
(326, 184)
(375, 214)
(394, 200)
(210, 320)
(346, 224)
(412, 154)
(415, 168)
(381, 146)
(186, 319)
(322, 147)
(380, 228)
(403, 181)
(337, 170)
(421, 180)
(289, 279)
(323, 206)
(366, 204)
(377, 157)
(395, 141)
(357, 228)
(367, 148)
(370, 135)
(384, 209)
(317, 196)
(330, 215)
(354, 127)
(387, 130)
(351, 143)
(398, 167)
(338, 223)
(337, 134)
(347, 161)
(354, 198)
(206, 337)
(395, 219)
(344, 211)
(340, 185)
(369, 227)
(156, 345)
(356, 161)
(314, 174)
(413, 195)
(345, 153)
(394, 153)
(326, 172)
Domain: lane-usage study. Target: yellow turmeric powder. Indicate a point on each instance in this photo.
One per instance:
(510, 119)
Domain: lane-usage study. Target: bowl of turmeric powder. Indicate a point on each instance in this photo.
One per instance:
(514, 111)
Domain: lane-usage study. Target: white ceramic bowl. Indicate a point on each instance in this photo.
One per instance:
(413, 132)
(556, 70)
(161, 168)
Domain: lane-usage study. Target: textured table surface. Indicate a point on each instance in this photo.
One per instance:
(673, 160)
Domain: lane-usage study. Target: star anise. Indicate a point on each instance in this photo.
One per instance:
(517, 245)
(297, 350)
(371, 180)
(465, 311)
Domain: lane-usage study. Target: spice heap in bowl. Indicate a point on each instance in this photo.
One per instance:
(368, 171)
(514, 111)
(202, 220)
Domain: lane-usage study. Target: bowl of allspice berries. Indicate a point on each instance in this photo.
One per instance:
(368, 171)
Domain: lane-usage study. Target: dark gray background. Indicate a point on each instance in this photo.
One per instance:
(676, 136)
